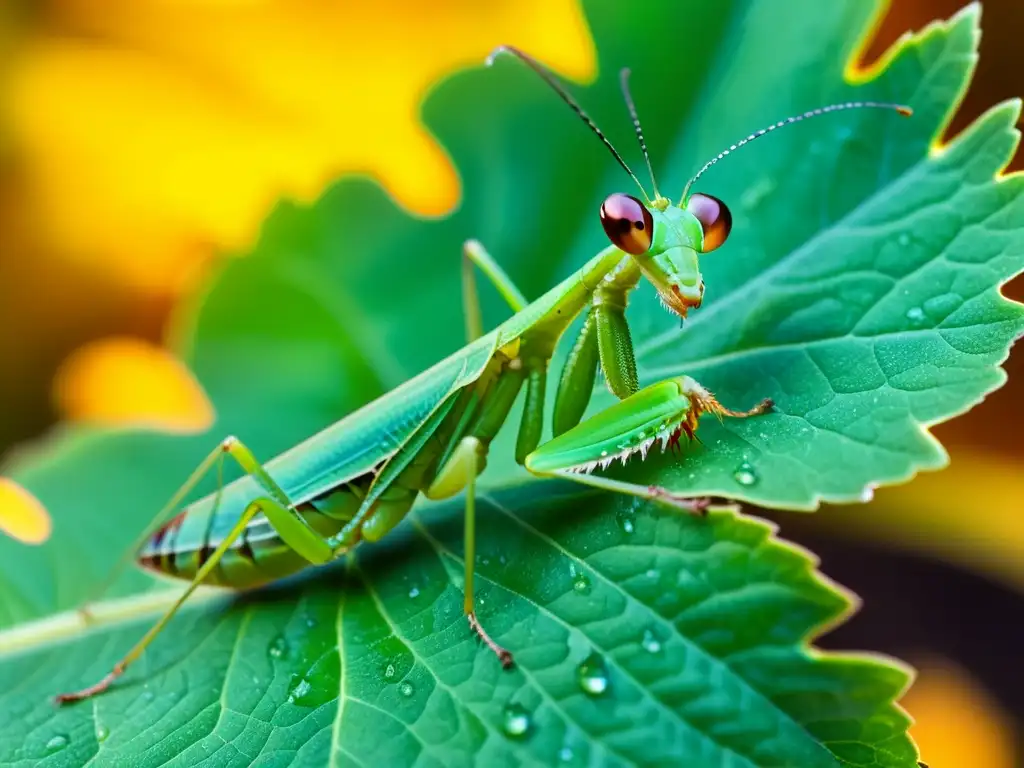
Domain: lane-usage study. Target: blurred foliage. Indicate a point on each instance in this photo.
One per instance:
(149, 137)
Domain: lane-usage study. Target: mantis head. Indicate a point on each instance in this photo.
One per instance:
(666, 243)
(666, 240)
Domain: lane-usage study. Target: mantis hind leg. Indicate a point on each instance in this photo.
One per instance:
(155, 630)
(214, 459)
(278, 509)
(230, 446)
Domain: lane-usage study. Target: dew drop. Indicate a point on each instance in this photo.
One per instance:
(915, 314)
(593, 675)
(565, 754)
(516, 721)
(102, 733)
(650, 643)
(389, 671)
(147, 695)
(940, 307)
(406, 689)
(580, 581)
(414, 592)
(299, 694)
(278, 648)
(745, 474)
(903, 239)
(310, 622)
(57, 743)
(626, 521)
(581, 585)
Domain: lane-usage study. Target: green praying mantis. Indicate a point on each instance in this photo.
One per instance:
(357, 479)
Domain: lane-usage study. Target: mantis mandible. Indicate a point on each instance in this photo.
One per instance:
(357, 479)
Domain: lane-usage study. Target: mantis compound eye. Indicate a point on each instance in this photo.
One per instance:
(628, 223)
(714, 217)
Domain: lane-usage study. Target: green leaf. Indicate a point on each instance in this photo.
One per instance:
(640, 637)
(859, 289)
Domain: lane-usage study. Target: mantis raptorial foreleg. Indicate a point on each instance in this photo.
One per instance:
(658, 414)
(293, 529)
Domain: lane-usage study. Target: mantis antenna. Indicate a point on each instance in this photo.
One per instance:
(624, 82)
(900, 108)
(549, 78)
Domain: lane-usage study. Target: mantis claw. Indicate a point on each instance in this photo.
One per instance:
(92, 690)
(503, 654)
(696, 506)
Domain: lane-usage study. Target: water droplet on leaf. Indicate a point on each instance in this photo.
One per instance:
(278, 648)
(565, 754)
(650, 642)
(626, 521)
(580, 581)
(406, 689)
(903, 239)
(414, 592)
(300, 693)
(102, 733)
(593, 675)
(581, 585)
(516, 721)
(56, 744)
(745, 474)
(389, 671)
(915, 314)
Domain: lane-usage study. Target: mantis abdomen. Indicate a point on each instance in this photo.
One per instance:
(259, 556)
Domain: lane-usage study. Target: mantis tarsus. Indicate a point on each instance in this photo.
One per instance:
(357, 479)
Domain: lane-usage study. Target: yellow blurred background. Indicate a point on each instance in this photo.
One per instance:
(139, 139)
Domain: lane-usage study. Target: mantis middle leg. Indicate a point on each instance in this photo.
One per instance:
(473, 253)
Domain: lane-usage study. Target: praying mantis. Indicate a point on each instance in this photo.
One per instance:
(358, 478)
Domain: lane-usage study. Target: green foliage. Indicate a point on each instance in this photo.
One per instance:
(859, 290)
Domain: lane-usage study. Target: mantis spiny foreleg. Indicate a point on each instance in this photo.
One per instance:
(656, 416)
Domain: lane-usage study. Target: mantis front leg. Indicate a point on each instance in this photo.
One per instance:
(661, 413)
